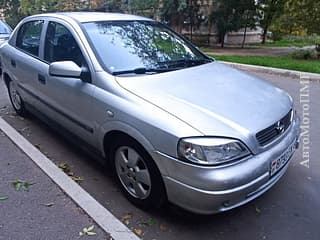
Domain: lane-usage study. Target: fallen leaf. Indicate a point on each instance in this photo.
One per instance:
(37, 146)
(26, 186)
(126, 218)
(48, 204)
(87, 231)
(90, 228)
(19, 184)
(149, 222)
(65, 167)
(77, 179)
(2, 198)
(138, 231)
(163, 228)
(258, 211)
(24, 129)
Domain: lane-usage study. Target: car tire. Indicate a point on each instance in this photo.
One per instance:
(137, 174)
(16, 100)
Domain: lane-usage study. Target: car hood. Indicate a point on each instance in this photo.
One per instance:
(213, 98)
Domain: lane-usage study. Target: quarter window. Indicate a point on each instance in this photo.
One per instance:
(60, 45)
(28, 38)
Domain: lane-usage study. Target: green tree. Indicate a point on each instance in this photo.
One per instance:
(74, 5)
(141, 7)
(227, 16)
(299, 16)
(11, 11)
(174, 12)
(249, 10)
(30, 7)
(271, 9)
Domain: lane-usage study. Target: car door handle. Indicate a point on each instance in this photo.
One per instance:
(41, 79)
(13, 63)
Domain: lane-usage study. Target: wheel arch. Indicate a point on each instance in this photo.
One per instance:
(115, 135)
(118, 129)
(6, 78)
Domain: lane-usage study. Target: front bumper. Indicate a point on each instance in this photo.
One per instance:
(208, 190)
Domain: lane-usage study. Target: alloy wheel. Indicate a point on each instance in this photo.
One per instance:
(133, 172)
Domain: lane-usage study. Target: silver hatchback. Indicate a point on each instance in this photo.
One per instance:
(171, 122)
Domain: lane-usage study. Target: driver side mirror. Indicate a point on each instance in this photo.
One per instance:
(69, 69)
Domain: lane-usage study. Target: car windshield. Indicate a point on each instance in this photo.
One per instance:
(4, 28)
(140, 47)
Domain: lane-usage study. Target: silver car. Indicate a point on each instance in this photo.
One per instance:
(5, 31)
(172, 123)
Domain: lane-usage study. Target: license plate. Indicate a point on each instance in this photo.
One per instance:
(277, 164)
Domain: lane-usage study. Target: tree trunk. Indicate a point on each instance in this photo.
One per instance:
(264, 35)
(222, 39)
(209, 31)
(209, 24)
(244, 36)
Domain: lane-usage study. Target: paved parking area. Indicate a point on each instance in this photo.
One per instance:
(290, 210)
(39, 211)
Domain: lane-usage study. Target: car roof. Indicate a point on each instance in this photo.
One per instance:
(94, 16)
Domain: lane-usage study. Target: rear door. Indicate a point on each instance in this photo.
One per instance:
(23, 60)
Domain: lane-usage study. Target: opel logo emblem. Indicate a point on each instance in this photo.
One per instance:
(280, 127)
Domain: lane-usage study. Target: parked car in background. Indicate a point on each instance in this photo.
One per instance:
(5, 31)
(172, 123)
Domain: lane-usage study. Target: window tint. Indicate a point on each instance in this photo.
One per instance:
(28, 38)
(60, 45)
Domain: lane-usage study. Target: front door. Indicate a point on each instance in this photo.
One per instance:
(67, 99)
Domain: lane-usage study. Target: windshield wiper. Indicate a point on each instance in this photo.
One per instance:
(144, 71)
(186, 62)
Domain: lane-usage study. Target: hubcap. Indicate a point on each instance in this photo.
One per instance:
(133, 172)
(15, 97)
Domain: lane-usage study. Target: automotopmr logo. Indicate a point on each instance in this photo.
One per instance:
(305, 121)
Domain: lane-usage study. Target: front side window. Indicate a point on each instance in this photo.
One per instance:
(60, 45)
(122, 46)
(28, 38)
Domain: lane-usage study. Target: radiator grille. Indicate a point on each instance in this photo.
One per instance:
(270, 133)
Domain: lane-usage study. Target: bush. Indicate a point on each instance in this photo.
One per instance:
(311, 39)
(277, 36)
(304, 55)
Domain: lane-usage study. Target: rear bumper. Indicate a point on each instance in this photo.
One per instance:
(208, 190)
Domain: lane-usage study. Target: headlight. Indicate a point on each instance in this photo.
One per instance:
(211, 151)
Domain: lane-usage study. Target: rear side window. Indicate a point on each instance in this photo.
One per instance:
(28, 38)
(60, 45)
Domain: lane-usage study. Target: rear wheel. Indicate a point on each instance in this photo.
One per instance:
(137, 174)
(16, 99)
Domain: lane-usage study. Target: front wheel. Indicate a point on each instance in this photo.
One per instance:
(16, 99)
(137, 174)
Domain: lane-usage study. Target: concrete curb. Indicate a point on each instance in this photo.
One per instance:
(277, 71)
(83, 199)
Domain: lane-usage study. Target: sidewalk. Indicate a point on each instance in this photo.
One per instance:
(43, 211)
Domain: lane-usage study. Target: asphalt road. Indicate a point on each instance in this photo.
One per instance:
(290, 210)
